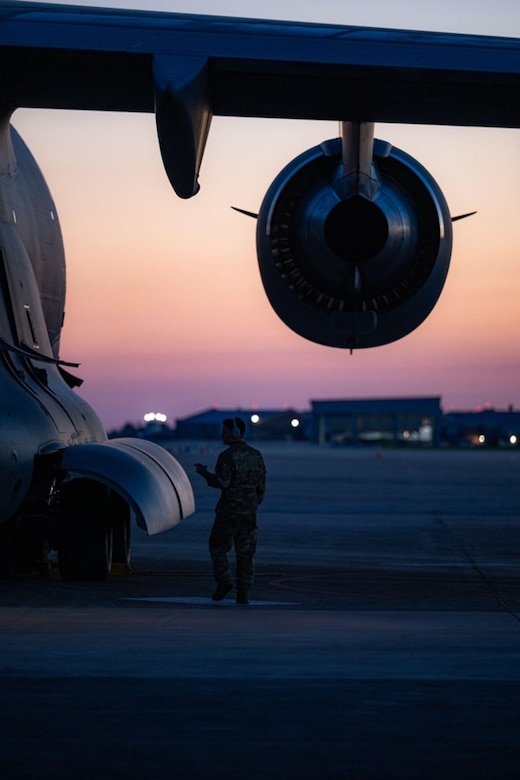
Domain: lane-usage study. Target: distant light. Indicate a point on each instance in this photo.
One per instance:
(155, 417)
(481, 439)
(255, 418)
(295, 422)
(513, 439)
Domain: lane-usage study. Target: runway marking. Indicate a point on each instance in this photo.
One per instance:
(205, 601)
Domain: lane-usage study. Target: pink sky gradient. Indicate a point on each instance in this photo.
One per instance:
(165, 307)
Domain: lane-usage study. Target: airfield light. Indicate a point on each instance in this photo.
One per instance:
(155, 416)
(513, 439)
(481, 439)
(295, 422)
(255, 418)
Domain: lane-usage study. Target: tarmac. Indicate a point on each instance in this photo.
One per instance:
(382, 639)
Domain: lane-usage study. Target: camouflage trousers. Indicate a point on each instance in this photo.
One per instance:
(240, 532)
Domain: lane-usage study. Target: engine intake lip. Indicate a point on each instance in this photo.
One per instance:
(348, 270)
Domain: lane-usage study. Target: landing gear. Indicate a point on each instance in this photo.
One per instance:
(84, 530)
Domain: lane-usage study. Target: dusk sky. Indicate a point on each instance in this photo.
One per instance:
(165, 308)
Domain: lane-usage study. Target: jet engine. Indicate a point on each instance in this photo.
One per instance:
(354, 241)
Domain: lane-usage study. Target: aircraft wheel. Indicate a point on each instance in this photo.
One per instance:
(85, 531)
(8, 550)
(120, 515)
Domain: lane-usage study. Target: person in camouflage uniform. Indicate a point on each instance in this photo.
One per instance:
(240, 474)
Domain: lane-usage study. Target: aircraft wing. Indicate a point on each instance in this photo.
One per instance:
(187, 68)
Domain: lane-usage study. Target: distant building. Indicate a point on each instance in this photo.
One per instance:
(392, 421)
(262, 424)
(484, 428)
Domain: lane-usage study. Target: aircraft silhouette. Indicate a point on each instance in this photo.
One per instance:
(354, 236)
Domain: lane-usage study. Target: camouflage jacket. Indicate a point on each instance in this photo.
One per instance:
(240, 475)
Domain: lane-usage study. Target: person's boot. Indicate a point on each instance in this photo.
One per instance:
(221, 591)
(242, 596)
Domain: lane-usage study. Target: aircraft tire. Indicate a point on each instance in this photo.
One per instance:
(85, 531)
(120, 518)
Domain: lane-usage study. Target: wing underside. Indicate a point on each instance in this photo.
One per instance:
(188, 68)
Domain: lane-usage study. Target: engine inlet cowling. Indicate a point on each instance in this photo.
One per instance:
(347, 270)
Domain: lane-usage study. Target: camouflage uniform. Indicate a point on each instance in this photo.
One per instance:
(240, 475)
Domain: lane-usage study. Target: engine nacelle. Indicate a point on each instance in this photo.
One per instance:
(347, 270)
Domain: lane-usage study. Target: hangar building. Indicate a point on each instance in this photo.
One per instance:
(392, 421)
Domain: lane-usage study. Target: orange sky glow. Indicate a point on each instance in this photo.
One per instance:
(165, 307)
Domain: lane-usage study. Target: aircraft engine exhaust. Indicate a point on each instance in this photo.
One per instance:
(350, 264)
